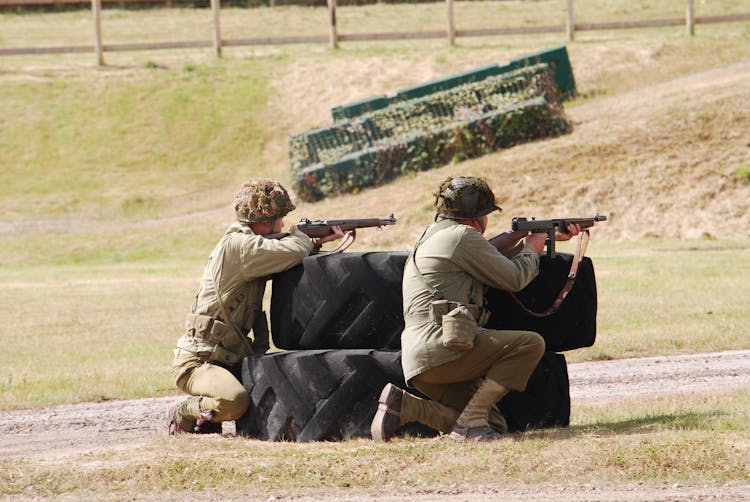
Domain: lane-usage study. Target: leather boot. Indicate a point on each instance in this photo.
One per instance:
(397, 408)
(187, 416)
(387, 420)
(473, 422)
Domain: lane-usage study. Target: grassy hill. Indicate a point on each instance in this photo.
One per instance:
(130, 157)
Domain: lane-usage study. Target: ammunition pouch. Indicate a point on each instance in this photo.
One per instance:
(205, 328)
(220, 355)
(459, 322)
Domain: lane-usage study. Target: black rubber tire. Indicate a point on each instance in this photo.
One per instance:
(572, 326)
(546, 400)
(317, 395)
(314, 395)
(354, 301)
(340, 301)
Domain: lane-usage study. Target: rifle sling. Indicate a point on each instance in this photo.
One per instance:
(225, 314)
(583, 241)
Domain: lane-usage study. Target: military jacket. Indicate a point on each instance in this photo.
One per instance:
(239, 267)
(458, 262)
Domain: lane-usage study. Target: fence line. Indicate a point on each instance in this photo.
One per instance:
(334, 37)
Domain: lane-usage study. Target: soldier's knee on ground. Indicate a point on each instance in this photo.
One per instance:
(230, 407)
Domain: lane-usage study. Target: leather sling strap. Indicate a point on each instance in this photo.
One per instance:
(583, 241)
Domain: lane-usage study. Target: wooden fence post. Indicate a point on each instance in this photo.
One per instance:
(451, 23)
(690, 17)
(571, 25)
(96, 10)
(216, 12)
(332, 18)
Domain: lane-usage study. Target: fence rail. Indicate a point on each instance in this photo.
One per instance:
(334, 37)
(53, 3)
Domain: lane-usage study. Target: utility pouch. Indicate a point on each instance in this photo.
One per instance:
(198, 326)
(440, 308)
(218, 330)
(205, 328)
(459, 329)
(224, 357)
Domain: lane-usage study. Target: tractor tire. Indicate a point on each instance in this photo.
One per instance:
(354, 301)
(546, 400)
(315, 395)
(339, 301)
(321, 395)
(572, 326)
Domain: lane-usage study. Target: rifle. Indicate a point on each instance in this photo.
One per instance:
(549, 226)
(321, 228)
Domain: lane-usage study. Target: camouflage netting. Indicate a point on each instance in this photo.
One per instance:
(419, 134)
(261, 200)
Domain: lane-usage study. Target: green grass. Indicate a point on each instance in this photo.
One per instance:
(670, 297)
(129, 311)
(131, 147)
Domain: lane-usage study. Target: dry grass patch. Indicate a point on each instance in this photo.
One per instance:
(692, 440)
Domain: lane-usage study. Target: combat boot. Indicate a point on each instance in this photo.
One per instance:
(473, 422)
(187, 416)
(387, 420)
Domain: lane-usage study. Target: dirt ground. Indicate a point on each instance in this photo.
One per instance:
(72, 430)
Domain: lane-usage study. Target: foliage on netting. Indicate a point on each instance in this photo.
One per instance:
(419, 134)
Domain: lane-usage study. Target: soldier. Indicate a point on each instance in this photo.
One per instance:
(228, 307)
(463, 368)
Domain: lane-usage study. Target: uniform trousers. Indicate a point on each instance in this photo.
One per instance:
(222, 393)
(507, 357)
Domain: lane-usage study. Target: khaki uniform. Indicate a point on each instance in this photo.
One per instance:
(238, 267)
(459, 263)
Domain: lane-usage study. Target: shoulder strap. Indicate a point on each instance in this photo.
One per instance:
(429, 232)
(225, 312)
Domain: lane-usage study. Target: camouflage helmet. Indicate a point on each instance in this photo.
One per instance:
(464, 198)
(261, 200)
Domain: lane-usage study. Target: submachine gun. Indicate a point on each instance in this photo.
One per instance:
(549, 227)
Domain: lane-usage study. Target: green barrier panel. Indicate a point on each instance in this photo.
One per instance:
(525, 121)
(358, 108)
(445, 83)
(413, 117)
(557, 59)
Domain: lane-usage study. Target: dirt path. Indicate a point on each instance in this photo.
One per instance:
(68, 431)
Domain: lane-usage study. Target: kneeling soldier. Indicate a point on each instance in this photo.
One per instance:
(447, 355)
(228, 307)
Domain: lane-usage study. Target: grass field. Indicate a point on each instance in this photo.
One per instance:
(115, 184)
